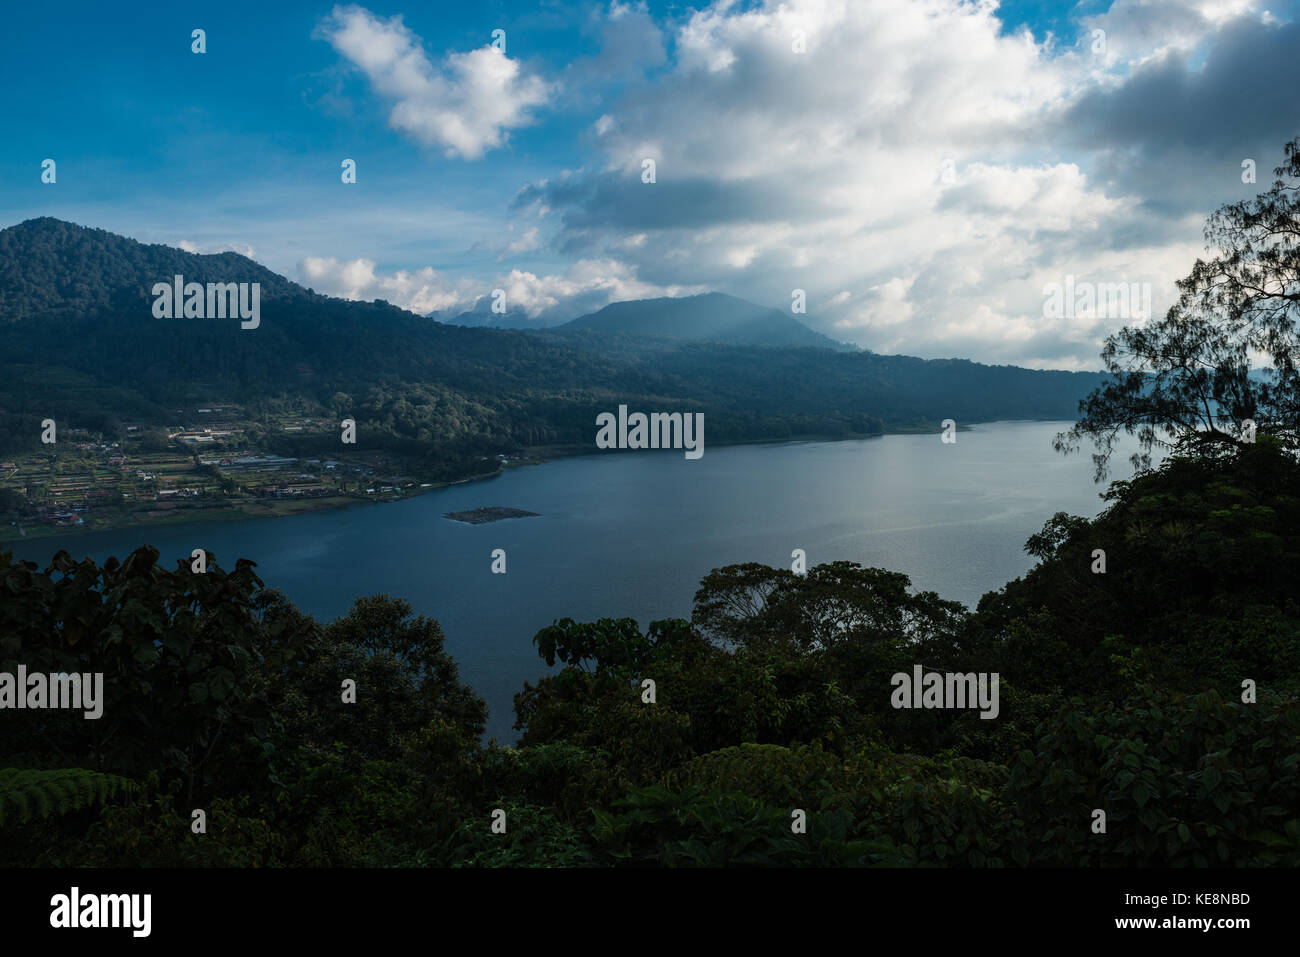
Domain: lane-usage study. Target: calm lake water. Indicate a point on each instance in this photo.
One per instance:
(631, 533)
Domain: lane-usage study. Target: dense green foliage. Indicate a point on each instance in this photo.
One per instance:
(37, 793)
(1120, 691)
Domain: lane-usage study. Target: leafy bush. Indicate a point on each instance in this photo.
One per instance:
(534, 837)
(1184, 781)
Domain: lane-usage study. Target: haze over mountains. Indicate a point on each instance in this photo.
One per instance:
(709, 317)
(79, 342)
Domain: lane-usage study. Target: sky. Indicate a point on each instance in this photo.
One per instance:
(924, 171)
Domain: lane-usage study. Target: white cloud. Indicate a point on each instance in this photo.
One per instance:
(422, 291)
(826, 170)
(464, 105)
(586, 286)
(1140, 30)
(525, 243)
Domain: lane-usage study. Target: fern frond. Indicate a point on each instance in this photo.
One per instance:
(27, 793)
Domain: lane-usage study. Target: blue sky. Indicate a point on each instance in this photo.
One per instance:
(921, 169)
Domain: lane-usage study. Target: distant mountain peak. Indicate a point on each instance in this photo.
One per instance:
(708, 317)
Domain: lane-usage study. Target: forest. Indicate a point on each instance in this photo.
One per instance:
(1149, 668)
(774, 697)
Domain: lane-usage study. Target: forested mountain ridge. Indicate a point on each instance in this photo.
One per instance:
(79, 342)
(49, 267)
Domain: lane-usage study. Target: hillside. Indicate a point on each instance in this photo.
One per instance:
(79, 342)
(51, 268)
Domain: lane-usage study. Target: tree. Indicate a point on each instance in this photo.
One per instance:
(755, 606)
(185, 660)
(404, 680)
(1224, 353)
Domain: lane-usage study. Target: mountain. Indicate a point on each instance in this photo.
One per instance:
(711, 317)
(49, 267)
(79, 343)
(482, 317)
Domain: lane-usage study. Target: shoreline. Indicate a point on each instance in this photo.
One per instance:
(240, 511)
(539, 455)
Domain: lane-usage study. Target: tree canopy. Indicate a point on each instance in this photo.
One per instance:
(1223, 358)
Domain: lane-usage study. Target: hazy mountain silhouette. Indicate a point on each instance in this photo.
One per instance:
(481, 316)
(711, 317)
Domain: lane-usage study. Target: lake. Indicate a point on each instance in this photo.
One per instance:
(631, 533)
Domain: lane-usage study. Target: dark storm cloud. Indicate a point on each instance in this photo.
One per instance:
(1175, 133)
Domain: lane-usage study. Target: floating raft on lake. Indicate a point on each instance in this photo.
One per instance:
(492, 513)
